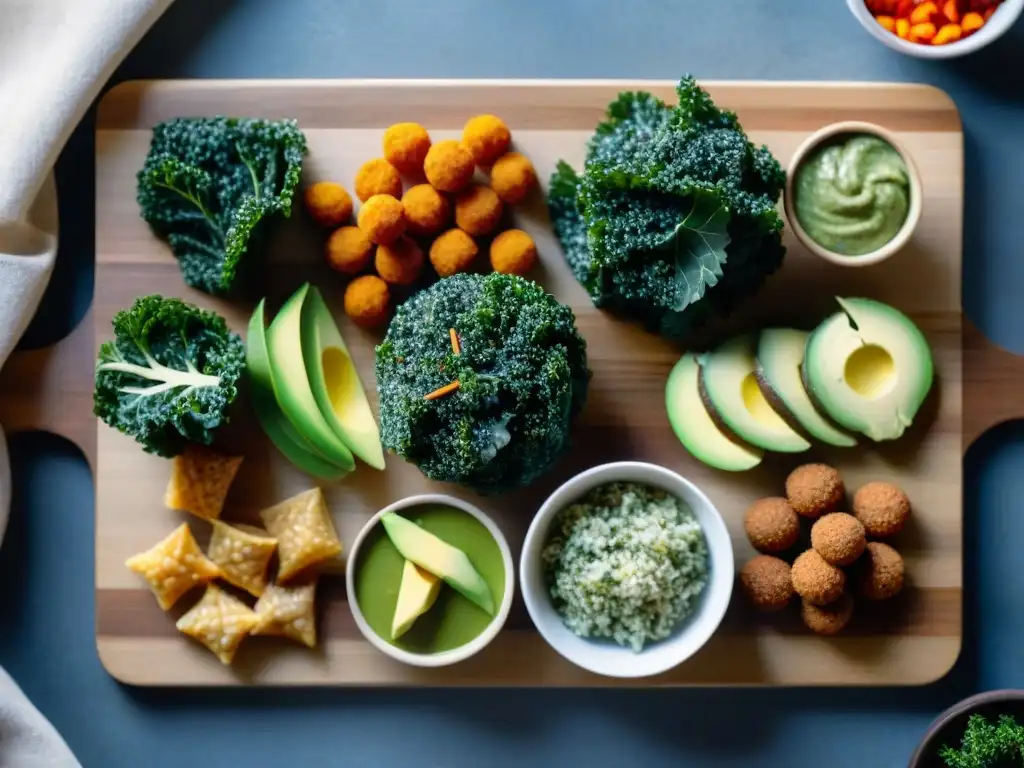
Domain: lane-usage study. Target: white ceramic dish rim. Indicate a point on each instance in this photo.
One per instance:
(455, 655)
(1004, 18)
(714, 602)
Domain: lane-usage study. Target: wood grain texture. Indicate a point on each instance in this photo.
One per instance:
(915, 640)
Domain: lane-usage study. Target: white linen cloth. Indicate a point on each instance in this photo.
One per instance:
(55, 56)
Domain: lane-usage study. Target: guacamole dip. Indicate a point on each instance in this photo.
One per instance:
(852, 196)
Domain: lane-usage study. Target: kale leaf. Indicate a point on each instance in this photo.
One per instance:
(697, 248)
(987, 745)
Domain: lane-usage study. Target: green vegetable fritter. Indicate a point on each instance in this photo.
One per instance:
(169, 375)
(522, 374)
(210, 185)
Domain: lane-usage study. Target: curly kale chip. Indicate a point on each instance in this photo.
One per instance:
(673, 219)
(169, 375)
(522, 374)
(210, 185)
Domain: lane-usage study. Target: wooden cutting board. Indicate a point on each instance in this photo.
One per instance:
(914, 640)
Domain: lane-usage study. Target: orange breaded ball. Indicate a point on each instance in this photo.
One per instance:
(487, 138)
(348, 250)
(478, 210)
(426, 210)
(377, 177)
(453, 251)
(406, 146)
(328, 203)
(399, 263)
(448, 166)
(382, 219)
(513, 252)
(512, 177)
(366, 301)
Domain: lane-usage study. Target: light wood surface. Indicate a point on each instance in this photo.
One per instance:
(914, 640)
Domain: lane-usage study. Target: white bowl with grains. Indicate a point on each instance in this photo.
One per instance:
(627, 569)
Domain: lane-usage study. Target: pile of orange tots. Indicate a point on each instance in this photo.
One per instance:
(445, 217)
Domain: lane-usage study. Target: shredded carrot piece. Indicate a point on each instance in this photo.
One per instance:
(445, 390)
(455, 341)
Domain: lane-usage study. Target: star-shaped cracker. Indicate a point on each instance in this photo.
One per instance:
(174, 566)
(304, 531)
(288, 611)
(220, 622)
(242, 554)
(200, 479)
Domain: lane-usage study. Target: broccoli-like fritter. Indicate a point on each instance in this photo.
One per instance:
(673, 219)
(210, 185)
(169, 375)
(522, 374)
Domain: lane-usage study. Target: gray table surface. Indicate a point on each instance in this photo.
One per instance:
(46, 565)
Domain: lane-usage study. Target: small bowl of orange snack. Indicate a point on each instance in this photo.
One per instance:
(936, 29)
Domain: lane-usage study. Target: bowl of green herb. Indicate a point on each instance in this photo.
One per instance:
(985, 730)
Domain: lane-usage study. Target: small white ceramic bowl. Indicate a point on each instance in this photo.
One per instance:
(1004, 17)
(605, 657)
(455, 655)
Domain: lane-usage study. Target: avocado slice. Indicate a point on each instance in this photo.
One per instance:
(335, 383)
(416, 595)
(730, 391)
(439, 558)
(780, 357)
(695, 428)
(268, 413)
(869, 367)
(291, 383)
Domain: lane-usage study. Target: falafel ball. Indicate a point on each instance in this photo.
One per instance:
(406, 146)
(400, 263)
(838, 537)
(348, 250)
(816, 580)
(426, 210)
(882, 508)
(451, 252)
(880, 573)
(814, 489)
(448, 166)
(487, 138)
(478, 210)
(366, 301)
(382, 219)
(767, 583)
(513, 252)
(827, 619)
(771, 525)
(377, 177)
(512, 177)
(328, 203)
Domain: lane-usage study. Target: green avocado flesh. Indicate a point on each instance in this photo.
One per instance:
(729, 388)
(274, 423)
(869, 368)
(780, 357)
(695, 428)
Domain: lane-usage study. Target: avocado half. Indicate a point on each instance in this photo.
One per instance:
(869, 368)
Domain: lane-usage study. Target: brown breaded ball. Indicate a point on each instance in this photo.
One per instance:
(400, 263)
(816, 580)
(377, 177)
(512, 177)
(814, 489)
(448, 166)
(487, 138)
(827, 619)
(880, 574)
(477, 210)
(348, 250)
(426, 210)
(513, 252)
(328, 204)
(767, 583)
(366, 301)
(771, 525)
(382, 219)
(839, 538)
(453, 251)
(882, 508)
(406, 146)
